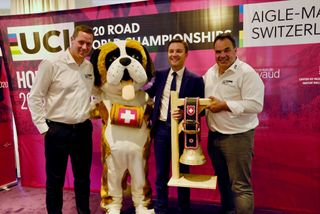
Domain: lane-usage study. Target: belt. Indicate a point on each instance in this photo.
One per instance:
(216, 133)
(163, 123)
(73, 126)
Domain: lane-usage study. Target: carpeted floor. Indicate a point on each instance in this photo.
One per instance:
(26, 200)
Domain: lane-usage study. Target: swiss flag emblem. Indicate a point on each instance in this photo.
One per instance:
(190, 110)
(128, 116)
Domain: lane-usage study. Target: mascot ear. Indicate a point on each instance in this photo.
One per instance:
(150, 66)
(94, 61)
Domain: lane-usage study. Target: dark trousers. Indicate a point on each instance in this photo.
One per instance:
(62, 141)
(162, 150)
(231, 156)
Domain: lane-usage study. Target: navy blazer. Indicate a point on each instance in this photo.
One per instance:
(192, 85)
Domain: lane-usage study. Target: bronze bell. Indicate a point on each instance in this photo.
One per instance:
(193, 157)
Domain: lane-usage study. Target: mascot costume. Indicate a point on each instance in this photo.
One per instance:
(121, 69)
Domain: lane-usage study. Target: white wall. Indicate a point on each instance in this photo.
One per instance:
(4, 7)
(5, 4)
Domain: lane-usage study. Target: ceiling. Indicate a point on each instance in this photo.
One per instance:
(5, 4)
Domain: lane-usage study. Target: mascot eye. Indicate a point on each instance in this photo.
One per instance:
(135, 56)
(134, 53)
(111, 59)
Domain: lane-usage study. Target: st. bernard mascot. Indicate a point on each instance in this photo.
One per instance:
(121, 69)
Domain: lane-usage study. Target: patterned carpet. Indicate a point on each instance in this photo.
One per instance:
(26, 200)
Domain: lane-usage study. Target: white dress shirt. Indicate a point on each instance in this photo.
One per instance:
(242, 89)
(61, 91)
(166, 93)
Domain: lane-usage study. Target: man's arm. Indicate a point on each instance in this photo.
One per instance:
(37, 96)
(252, 94)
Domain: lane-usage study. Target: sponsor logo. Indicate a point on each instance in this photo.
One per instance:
(280, 23)
(39, 41)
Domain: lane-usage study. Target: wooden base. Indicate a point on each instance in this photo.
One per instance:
(194, 181)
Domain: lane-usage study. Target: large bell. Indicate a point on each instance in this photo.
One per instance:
(193, 157)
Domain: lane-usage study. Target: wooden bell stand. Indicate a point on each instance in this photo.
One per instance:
(179, 179)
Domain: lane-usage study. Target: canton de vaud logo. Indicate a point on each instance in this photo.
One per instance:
(37, 42)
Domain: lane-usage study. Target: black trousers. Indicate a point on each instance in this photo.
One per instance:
(61, 141)
(162, 150)
(231, 156)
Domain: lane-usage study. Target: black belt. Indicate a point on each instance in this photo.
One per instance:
(216, 133)
(163, 123)
(73, 126)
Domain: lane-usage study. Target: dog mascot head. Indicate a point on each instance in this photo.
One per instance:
(121, 69)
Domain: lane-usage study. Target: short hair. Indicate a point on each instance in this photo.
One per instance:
(185, 44)
(223, 36)
(82, 28)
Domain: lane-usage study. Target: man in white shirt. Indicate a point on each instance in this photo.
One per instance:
(59, 103)
(237, 94)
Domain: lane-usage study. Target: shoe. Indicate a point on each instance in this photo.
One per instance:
(227, 212)
(180, 211)
(144, 210)
(161, 212)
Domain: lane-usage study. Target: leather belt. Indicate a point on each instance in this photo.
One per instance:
(191, 125)
(73, 126)
(163, 123)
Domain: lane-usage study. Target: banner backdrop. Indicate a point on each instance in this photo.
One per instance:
(7, 156)
(280, 39)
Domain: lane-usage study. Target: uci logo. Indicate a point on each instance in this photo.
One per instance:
(40, 41)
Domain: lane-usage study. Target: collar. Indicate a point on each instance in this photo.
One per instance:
(69, 58)
(179, 73)
(234, 66)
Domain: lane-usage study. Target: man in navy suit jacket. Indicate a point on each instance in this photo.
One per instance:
(188, 84)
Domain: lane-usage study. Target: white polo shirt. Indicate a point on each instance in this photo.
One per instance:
(61, 91)
(242, 89)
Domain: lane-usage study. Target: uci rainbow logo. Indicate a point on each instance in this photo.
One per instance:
(39, 41)
(13, 42)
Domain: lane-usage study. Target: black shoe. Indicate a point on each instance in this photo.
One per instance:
(161, 211)
(183, 211)
(227, 212)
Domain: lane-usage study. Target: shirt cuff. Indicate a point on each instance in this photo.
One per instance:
(42, 128)
(235, 107)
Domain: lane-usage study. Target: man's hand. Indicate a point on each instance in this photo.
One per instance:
(217, 105)
(177, 114)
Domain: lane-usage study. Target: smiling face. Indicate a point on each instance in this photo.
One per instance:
(81, 45)
(177, 55)
(225, 54)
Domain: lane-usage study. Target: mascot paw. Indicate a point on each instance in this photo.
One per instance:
(103, 112)
(94, 112)
(113, 211)
(99, 111)
(144, 210)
